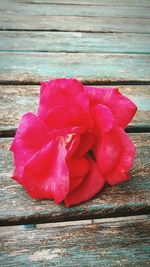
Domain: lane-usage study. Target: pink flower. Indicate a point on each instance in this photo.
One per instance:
(75, 144)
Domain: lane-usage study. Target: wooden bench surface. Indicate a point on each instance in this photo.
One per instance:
(113, 242)
(102, 43)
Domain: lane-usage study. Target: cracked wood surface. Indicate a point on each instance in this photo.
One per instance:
(29, 8)
(42, 41)
(115, 242)
(33, 67)
(111, 3)
(74, 23)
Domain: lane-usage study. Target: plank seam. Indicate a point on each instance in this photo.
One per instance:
(85, 82)
(45, 218)
(130, 129)
(84, 31)
(74, 52)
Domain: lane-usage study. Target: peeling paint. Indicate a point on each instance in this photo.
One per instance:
(45, 254)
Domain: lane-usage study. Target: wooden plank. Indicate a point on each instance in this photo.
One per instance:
(74, 42)
(15, 100)
(88, 2)
(30, 9)
(73, 23)
(34, 67)
(131, 197)
(119, 242)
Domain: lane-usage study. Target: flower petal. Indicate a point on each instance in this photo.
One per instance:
(89, 187)
(31, 135)
(74, 182)
(86, 142)
(69, 115)
(46, 174)
(58, 92)
(72, 145)
(107, 151)
(115, 155)
(78, 166)
(120, 172)
(103, 118)
(122, 108)
(64, 103)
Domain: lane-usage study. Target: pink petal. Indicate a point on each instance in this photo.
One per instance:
(59, 92)
(69, 115)
(103, 118)
(78, 166)
(86, 142)
(72, 145)
(63, 103)
(31, 135)
(115, 155)
(126, 159)
(108, 150)
(46, 174)
(89, 187)
(122, 108)
(74, 182)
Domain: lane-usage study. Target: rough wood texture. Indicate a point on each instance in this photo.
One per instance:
(15, 100)
(30, 9)
(119, 242)
(34, 67)
(88, 2)
(131, 197)
(74, 23)
(74, 42)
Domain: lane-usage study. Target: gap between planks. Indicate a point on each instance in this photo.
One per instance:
(71, 223)
(131, 129)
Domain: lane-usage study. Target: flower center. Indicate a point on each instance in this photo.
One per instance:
(91, 154)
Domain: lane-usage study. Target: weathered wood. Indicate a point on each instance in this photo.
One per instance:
(30, 9)
(89, 2)
(74, 42)
(34, 67)
(131, 197)
(15, 100)
(74, 23)
(119, 242)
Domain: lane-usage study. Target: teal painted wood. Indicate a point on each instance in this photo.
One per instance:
(73, 23)
(131, 197)
(30, 9)
(74, 42)
(118, 242)
(34, 67)
(89, 2)
(15, 100)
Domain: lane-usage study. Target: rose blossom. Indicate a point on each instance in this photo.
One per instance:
(75, 144)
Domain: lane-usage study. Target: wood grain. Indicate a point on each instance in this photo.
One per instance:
(15, 100)
(131, 197)
(88, 2)
(13, 8)
(74, 42)
(119, 242)
(74, 23)
(34, 67)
